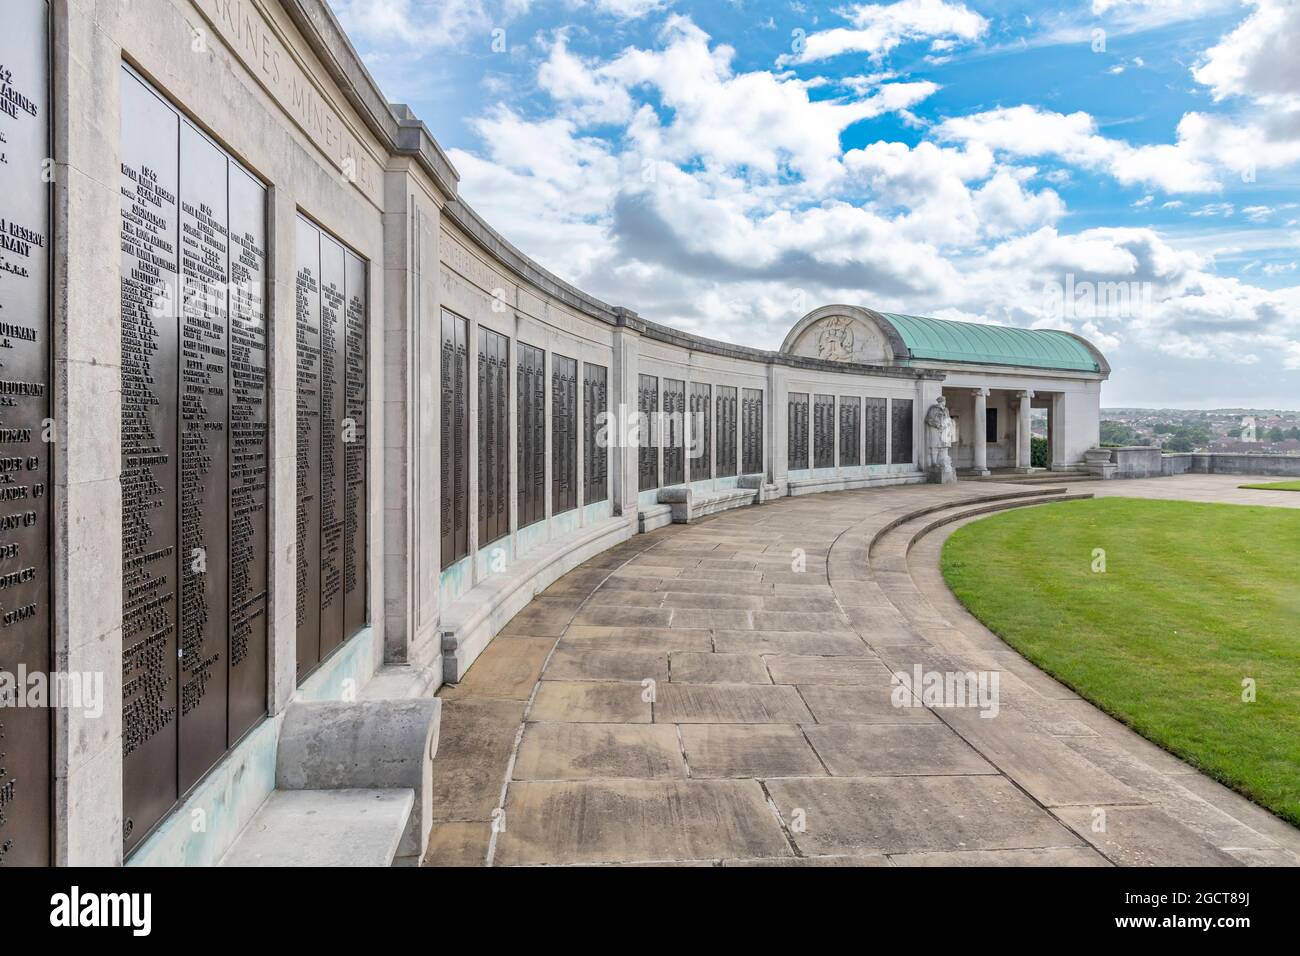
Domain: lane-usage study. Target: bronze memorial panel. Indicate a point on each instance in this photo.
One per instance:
(331, 317)
(25, 445)
(194, 454)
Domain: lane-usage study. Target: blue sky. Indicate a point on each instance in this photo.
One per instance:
(1126, 169)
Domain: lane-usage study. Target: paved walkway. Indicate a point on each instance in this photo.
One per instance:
(720, 693)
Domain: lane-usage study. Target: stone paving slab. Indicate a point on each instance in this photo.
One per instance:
(745, 750)
(623, 821)
(1144, 836)
(914, 814)
(570, 663)
(638, 639)
(605, 702)
(827, 643)
(792, 669)
(729, 704)
(505, 669)
(475, 740)
(694, 668)
(879, 750)
(860, 704)
(570, 751)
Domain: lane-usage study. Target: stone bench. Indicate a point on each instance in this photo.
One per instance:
(688, 504)
(353, 787)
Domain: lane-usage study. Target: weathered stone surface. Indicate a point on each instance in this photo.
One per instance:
(721, 620)
(802, 861)
(591, 701)
(798, 620)
(716, 600)
(458, 844)
(623, 617)
(863, 704)
(718, 669)
(865, 750)
(789, 669)
(742, 750)
(572, 751)
(914, 814)
(843, 643)
(595, 663)
(1144, 836)
(325, 828)
(474, 748)
(649, 639)
(729, 704)
(506, 670)
(622, 821)
(1051, 856)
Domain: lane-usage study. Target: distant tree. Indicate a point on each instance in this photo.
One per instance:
(1163, 429)
(1276, 434)
(1116, 433)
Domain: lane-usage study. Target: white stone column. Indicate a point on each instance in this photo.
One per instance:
(980, 431)
(1023, 431)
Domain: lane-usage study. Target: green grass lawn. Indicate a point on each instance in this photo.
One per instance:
(1195, 598)
(1277, 486)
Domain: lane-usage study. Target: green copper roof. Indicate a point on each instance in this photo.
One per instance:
(942, 340)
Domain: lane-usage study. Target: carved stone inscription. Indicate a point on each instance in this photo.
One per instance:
(24, 410)
(194, 454)
(331, 316)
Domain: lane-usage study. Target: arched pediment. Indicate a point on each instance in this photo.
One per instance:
(845, 333)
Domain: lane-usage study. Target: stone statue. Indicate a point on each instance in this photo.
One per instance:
(941, 435)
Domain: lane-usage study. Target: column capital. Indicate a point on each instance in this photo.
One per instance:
(980, 392)
(1025, 393)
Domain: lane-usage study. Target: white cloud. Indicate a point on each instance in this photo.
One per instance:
(1206, 146)
(1260, 59)
(879, 28)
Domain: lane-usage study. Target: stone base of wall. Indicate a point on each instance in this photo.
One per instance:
(479, 615)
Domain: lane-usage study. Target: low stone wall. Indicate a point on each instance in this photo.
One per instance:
(1145, 462)
(1283, 466)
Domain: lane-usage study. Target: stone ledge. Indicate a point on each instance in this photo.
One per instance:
(469, 623)
(812, 486)
(654, 517)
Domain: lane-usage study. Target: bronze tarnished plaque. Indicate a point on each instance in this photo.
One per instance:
(752, 431)
(194, 454)
(901, 447)
(850, 432)
(332, 331)
(876, 415)
(454, 483)
(249, 488)
(150, 455)
(647, 455)
(564, 434)
(493, 437)
(595, 403)
(824, 431)
(797, 424)
(726, 453)
(531, 401)
(204, 468)
(24, 446)
(674, 418)
(332, 315)
(355, 450)
(308, 339)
